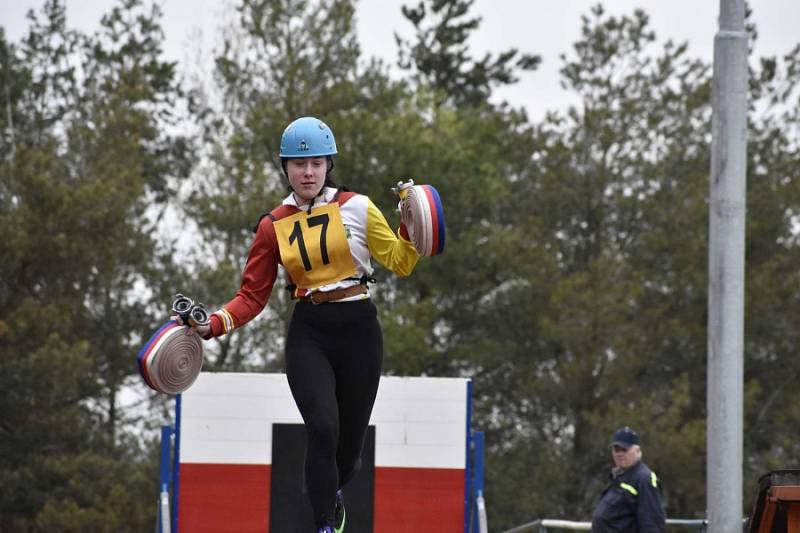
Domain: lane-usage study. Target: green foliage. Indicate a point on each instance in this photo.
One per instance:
(572, 288)
(573, 285)
(771, 259)
(618, 325)
(619, 192)
(85, 160)
(440, 58)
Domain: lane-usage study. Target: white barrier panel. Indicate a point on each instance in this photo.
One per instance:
(226, 452)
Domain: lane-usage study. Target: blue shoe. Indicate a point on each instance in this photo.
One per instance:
(326, 529)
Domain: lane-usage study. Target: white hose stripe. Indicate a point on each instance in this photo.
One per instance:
(418, 216)
(175, 361)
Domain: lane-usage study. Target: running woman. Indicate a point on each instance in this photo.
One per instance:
(324, 236)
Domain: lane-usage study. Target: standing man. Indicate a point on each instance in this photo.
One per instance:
(631, 503)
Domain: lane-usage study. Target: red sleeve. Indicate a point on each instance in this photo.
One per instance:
(258, 279)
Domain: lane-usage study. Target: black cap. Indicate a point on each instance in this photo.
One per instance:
(624, 438)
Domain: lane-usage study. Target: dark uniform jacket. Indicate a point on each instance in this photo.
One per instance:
(631, 503)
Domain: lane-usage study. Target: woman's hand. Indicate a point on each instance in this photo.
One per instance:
(204, 332)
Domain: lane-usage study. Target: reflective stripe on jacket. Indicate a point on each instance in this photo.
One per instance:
(631, 503)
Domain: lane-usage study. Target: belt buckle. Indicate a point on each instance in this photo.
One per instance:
(312, 300)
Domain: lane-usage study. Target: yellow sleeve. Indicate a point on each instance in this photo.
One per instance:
(389, 249)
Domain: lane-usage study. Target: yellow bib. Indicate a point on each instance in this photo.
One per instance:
(314, 247)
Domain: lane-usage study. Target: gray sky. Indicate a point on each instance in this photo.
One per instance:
(545, 27)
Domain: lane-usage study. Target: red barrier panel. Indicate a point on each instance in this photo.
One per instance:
(213, 497)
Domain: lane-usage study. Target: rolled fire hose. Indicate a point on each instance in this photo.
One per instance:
(422, 212)
(171, 360)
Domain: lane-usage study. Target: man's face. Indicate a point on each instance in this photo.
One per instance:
(624, 458)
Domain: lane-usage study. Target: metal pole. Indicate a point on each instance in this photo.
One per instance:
(543, 524)
(480, 503)
(164, 481)
(176, 465)
(483, 524)
(726, 272)
(468, 481)
(164, 511)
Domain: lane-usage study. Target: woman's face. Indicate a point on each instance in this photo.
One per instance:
(306, 176)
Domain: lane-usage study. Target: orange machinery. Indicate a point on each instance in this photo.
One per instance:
(777, 506)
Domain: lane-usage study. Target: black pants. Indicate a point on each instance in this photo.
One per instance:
(334, 353)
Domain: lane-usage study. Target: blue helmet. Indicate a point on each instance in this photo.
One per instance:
(307, 137)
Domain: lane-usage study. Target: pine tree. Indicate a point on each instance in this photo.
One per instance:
(439, 57)
(86, 164)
